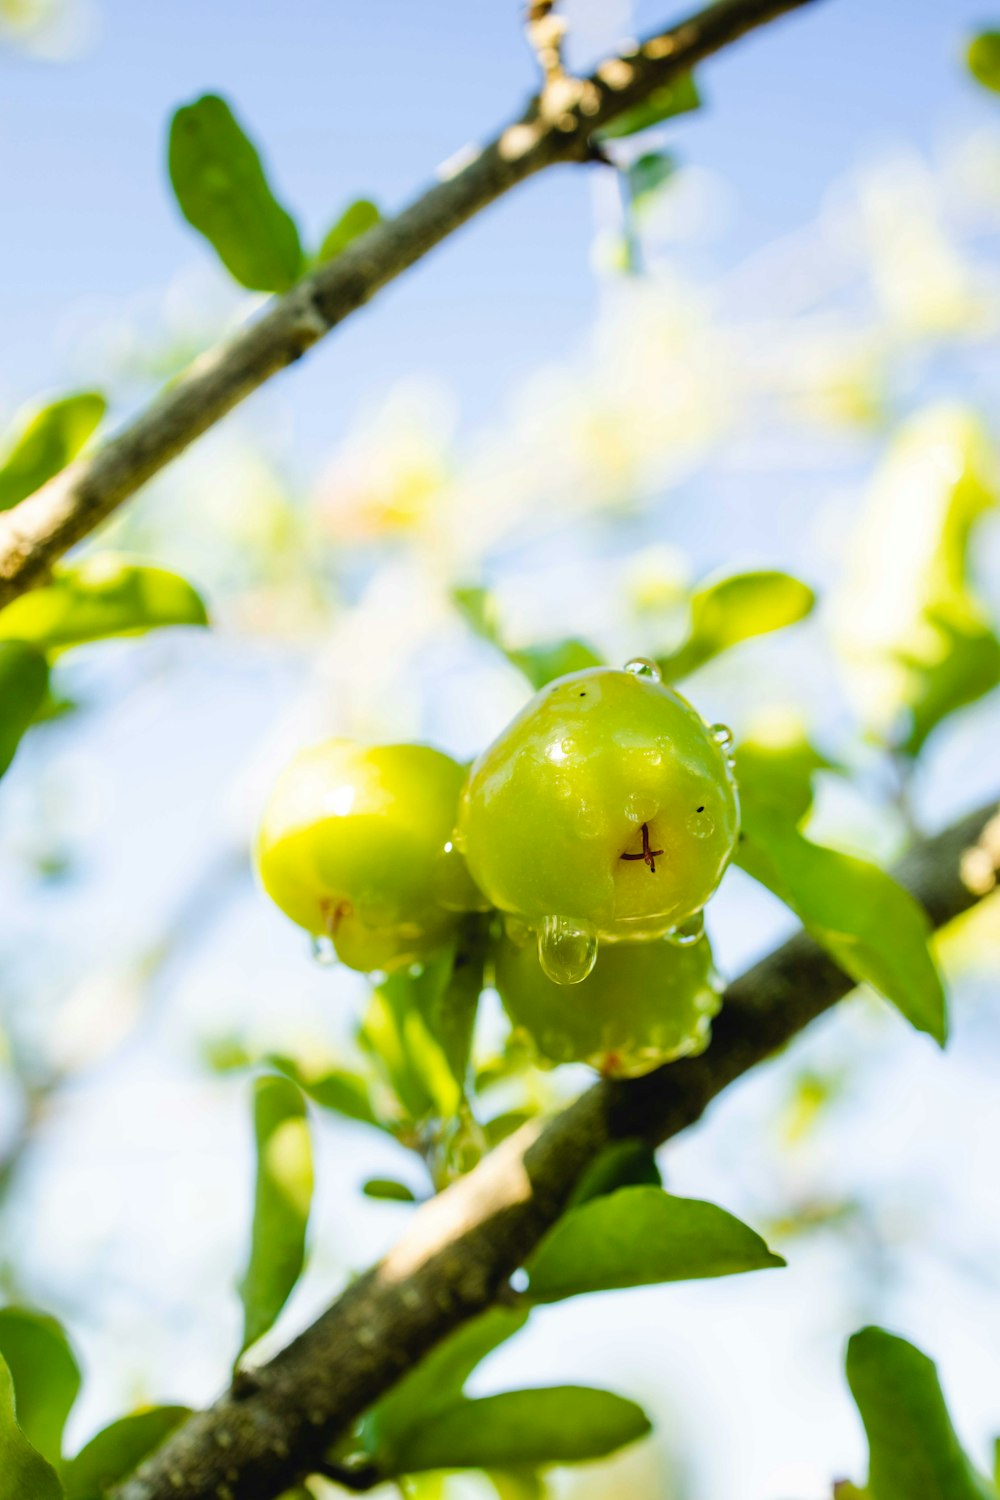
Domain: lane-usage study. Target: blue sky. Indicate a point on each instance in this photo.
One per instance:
(349, 100)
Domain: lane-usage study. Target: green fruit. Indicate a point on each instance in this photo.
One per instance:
(643, 1004)
(354, 846)
(606, 809)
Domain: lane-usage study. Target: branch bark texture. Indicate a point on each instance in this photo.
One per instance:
(558, 126)
(274, 1424)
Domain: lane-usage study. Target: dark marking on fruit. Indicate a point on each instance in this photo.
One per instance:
(649, 855)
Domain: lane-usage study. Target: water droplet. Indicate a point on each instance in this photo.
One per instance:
(687, 933)
(723, 736)
(567, 949)
(641, 666)
(322, 950)
(701, 824)
(641, 808)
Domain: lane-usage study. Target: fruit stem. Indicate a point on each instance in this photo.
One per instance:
(649, 855)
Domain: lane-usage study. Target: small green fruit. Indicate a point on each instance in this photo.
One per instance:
(607, 809)
(354, 846)
(643, 1004)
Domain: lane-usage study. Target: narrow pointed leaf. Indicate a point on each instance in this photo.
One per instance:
(43, 440)
(638, 1236)
(388, 1189)
(626, 1164)
(281, 1204)
(24, 1473)
(223, 192)
(557, 1425)
(914, 1451)
(24, 679)
(106, 595)
(45, 1374)
(118, 1449)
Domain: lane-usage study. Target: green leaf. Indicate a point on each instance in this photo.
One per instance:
(118, 1450)
(914, 1452)
(517, 1484)
(647, 175)
(503, 1125)
(556, 1425)
(24, 1473)
(389, 1189)
(281, 1205)
(914, 636)
(398, 1033)
(43, 440)
(356, 220)
(676, 98)
(539, 664)
(438, 1381)
(447, 991)
(543, 664)
(866, 921)
(736, 609)
(338, 1089)
(24, 679)
(626, 1164)
(776, 765)
(222, 191)
(45, 1375)
(983, 58)
(105, 595)
(638, 1236)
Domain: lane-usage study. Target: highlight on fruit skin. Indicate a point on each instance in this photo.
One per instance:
(607, 805)
(355, 846)
(643, 1004)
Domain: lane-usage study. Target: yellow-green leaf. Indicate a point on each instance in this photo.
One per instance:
(223, 192)
(43, 440)
(916, 640)
(105, 595)
(281, 1204)
(734, 609)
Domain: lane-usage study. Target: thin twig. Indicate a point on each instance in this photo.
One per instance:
(558, 126)
(462, 1248)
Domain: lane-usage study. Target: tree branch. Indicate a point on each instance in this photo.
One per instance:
(276, 1423)
(557, 127)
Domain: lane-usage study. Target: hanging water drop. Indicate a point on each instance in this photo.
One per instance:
(686, 934)
(322, 950)
(567, 949)
(723, 737)
(641, 666)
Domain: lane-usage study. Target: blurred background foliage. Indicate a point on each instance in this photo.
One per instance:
(815, 406)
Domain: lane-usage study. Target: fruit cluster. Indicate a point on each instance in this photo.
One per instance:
(597, 825)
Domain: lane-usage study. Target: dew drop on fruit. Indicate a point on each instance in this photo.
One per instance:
(685, 934)
(641, 666)
(701, 824)
(567, 949)
(322, 950)
(723, 737)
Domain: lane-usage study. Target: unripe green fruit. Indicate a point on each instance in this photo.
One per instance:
(607, 809)
(643, 1004)
(354, 846)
